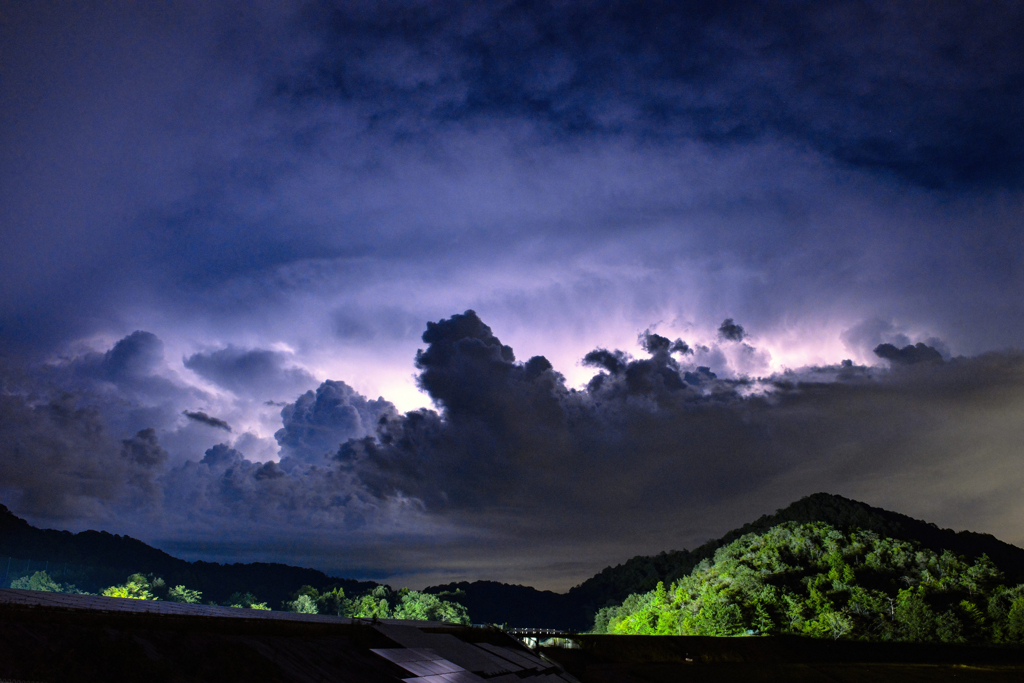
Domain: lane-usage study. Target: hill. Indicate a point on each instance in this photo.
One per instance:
(642, 573)
(98, 559)
(575, 610)
(812, 579)
(108, 558)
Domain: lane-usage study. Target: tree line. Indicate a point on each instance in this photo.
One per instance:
(815, 580)
(381, 602)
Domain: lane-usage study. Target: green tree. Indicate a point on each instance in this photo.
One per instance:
(245, 601)
(303, 605)
(40, 581)
(1015, 622)
(427, 607)
(185, 595)
(915, 618)
(136, 587)
(374, 604)
(333, 602)
(835, 624)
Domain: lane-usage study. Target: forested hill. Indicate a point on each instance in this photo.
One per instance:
(114, 557)
(522, 606)
(642, 574)
(107, 559)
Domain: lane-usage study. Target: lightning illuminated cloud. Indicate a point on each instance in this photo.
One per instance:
(735, 253)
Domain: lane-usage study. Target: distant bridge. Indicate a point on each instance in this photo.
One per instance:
(533, 637)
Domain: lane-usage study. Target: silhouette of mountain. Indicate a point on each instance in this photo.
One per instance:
(102, 559)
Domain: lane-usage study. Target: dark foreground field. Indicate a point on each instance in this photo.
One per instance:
(48, 637)
(37, 645)
(665, 659)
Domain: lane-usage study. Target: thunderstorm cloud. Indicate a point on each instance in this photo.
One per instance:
(510, 290)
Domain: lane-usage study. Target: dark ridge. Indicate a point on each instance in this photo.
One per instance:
(102, 559)
(491, 602)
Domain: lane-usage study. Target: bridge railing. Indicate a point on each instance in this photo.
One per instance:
(534, 638)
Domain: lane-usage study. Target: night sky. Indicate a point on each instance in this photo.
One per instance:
(428, 291)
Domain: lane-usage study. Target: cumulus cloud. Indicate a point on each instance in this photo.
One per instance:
(869, 334)
(131, 358)
(317, 423)
(251, 372)
(132, 366)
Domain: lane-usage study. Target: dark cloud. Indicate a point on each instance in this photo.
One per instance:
(512, 431)
(654, 343)
(908, 355)
(250, 371)
(268, 470)
(913, 90)
(60, 464)
(699, 375)
(54, 462)
(612, 361)
(730, 331)
(650, 435)
(129, 385)
(137, 355)
(203, 418)
(132, 365)
(221, 456)
(144, 449)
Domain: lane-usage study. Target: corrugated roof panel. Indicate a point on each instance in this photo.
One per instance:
(457, 677)
(505, 678)
(406, 654)
(500, 662)
(419, 661)
(467, 656)
(522, 659)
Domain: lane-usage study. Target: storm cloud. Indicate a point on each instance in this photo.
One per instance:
(891, 88)
(655, 449)
(247, 217)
